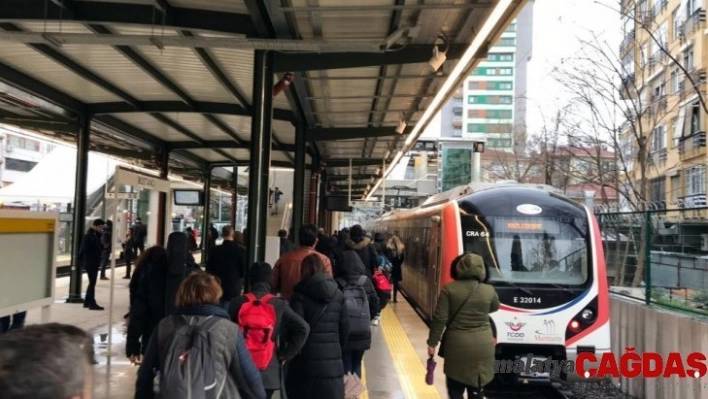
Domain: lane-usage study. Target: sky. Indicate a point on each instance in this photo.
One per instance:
(559, 27)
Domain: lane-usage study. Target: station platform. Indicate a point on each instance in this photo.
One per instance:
(394, 367)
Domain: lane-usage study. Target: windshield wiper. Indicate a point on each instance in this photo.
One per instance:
(562, 288)
(522, 289)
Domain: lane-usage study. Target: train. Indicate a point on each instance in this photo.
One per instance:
(544, 256)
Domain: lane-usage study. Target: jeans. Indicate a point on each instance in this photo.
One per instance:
(18, 322)
(90, 298)
(352, 362)
(456, 390)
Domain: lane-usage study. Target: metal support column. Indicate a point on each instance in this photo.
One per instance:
(162, 197)
(322, 203)
(83, 137)
(234, 197)
(207, 212)
(261, 142)
(299, 182)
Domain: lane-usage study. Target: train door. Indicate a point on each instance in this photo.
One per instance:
(434, 265)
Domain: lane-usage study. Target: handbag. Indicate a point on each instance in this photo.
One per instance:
(353, 387)
(441, 351)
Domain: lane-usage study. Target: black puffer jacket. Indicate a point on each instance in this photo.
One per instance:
(365, 249)
(318, 372)
(91, 249)
(352, 268)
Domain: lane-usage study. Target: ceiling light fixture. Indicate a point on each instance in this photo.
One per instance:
(447, 88)
(401, 125)
(439, 57)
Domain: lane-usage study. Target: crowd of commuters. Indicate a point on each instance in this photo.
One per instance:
(303, 327)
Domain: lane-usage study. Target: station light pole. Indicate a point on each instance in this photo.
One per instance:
(477, 150)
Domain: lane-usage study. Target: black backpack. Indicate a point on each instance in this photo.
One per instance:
(188, 356)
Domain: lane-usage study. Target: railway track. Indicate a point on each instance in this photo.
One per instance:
(64, 271)
(553, 391)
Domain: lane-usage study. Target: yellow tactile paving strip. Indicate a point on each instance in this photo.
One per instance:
(410, 370)
(365, 395)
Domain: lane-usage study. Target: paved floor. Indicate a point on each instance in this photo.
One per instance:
(394, 368)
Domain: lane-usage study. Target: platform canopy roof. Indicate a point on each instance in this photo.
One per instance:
(178, 74)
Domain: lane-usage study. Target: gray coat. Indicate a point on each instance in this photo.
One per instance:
(243, 378)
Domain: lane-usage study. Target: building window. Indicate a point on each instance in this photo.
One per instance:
(473, 128)
(659, 138)
(457, 131)
(675, 74)
(506, 71)
(19, 165)
(23, 143)
(507, 41)
(457, 100)
(511, 28)
(675, 189)
(472, 100)
(657, 189)
(688, 60)
(676, 22)
(506, 86)
(473, 86)
(695, 180)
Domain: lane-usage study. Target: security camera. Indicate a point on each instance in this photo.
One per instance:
(401, 127)
(437, 59)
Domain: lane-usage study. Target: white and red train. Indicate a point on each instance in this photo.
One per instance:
(543, 254)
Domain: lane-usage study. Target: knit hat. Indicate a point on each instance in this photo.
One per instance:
(260, 272)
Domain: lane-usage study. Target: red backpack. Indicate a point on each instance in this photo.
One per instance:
(381, 282)
(257, 321)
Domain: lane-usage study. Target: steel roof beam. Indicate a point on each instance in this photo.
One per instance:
(202, 107)
(151, 70)
(277, 164)
(412, 54)
(123, 13)
(344, 163)
(227, 144)
(354, 177)
(346, 133)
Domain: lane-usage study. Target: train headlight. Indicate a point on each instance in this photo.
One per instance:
(574, 326)
(587, 314)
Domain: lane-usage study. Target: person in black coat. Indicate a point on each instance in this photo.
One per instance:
(90, 254)
(351, 270)
(285, 244)
(318, 372)
(147, 300)
(363, 247)
(395, 252)
(291, 330)
(228, 262)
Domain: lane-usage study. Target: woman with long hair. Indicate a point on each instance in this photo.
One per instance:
(318, 371)
(197, 304)
(395, 251)
(462, 312)
(147, 300)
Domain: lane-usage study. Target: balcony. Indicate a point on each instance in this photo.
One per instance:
(696, 22)
(628, 42)
(658, 158)
(692, 146)
(686, 87)
(626, 88)
(693, 201)
(657, 105)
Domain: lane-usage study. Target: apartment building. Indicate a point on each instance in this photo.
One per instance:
(491, 103)
(19, 153)
(670, 93)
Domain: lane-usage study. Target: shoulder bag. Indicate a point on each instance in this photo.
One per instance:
(441, 351)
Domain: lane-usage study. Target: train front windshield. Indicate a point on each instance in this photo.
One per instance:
(538, 251)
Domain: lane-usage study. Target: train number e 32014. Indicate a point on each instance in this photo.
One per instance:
(526, 300)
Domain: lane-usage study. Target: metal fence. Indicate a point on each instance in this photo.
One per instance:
(658, 255)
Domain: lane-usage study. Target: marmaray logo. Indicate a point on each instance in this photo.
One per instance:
(548, 332)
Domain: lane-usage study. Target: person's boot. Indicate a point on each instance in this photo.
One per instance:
(103, 276)
(96, 307)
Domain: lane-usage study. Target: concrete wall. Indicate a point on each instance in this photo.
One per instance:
(651, 329)
(677, 270)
